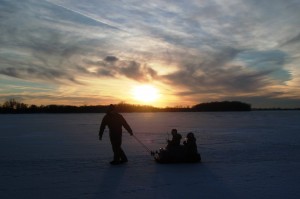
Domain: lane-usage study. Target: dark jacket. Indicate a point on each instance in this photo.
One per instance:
(175, 142)
(190, 146)
(114, 121)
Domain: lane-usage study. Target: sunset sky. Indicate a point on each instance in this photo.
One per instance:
(181, 52)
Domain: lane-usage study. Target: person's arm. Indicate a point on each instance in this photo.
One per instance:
(126, 126)
(102, 127)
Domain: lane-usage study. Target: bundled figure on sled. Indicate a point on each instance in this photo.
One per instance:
(175, 152)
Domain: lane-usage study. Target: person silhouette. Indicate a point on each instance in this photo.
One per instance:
(175, 142)
(190, 144)
(115, 122)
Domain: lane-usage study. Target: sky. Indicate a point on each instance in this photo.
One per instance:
(98, 51)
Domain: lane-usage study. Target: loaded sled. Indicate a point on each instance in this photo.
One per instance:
(176, 155)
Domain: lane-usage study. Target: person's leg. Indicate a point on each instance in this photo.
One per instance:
(121, 152)
(116, 143)
(116, 152)
(123, 156)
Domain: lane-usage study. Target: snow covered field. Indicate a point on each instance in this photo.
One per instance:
(245, 155)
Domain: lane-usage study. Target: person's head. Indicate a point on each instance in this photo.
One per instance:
(190, 136)
(174, 131)
(111, 108)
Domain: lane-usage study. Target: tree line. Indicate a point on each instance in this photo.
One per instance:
(13, 106)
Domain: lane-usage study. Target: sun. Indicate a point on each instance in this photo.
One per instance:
(145, 93)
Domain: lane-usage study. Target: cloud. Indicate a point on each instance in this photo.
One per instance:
(112, 66)
(271, 60)
(208, 47)
(111, 59)
(46, 42)
(230, 71)
(293, 41)
(33, 73)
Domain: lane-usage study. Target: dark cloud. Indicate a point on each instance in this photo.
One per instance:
(111, 59)
(219, 80)
(38, 42)
(219, 47)
(293, 41)
(34, 73)
(112, 66)
(131, 69)
(136, 71)
(217, 72)
(271, 60)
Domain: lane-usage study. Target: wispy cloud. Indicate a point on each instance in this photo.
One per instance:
(112, 66)
(233, 48)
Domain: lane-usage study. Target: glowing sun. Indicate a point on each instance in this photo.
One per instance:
(145, 93)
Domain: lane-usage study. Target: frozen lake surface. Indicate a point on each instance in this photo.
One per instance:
(245, 155)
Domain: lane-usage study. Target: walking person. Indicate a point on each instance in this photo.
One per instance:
(115, 122)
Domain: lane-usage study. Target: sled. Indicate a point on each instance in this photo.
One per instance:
(177, 155)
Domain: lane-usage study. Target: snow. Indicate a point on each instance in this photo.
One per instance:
(245, 155)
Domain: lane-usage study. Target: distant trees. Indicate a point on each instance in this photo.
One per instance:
(13, 106)
(222, 106)
(123, 107)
